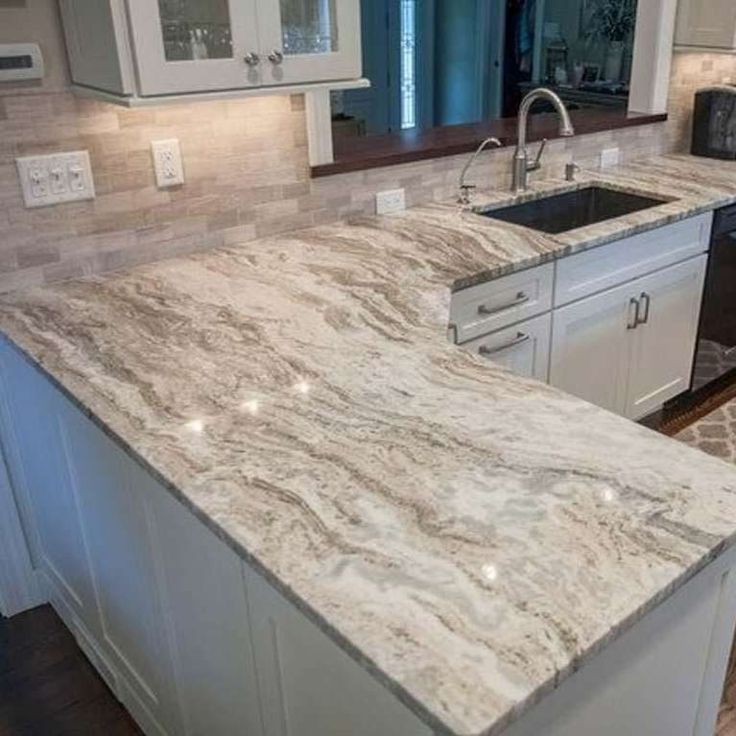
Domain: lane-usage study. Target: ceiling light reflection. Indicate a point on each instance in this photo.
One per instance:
(490, 572)
(252, 406)
(195, 425)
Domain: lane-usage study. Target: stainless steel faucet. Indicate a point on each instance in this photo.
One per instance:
(522, 167)
(466, 190)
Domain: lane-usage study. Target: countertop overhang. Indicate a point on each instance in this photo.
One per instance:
(470, 537)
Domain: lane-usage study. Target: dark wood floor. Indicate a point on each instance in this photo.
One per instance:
(47, 686)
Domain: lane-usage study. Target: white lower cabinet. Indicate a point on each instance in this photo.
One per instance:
(630, 349)
(310, 687)
(112, 493)
(209, 624)
(523, 348)
(42, 485)
(664, 345)
(590, 350)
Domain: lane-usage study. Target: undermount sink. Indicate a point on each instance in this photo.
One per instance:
(560, 213)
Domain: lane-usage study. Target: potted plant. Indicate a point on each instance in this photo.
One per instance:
(612, 21)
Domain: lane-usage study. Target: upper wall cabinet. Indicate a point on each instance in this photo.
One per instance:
(152, 48)
(706, 24)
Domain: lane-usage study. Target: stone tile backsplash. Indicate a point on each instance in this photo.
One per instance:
(247, 174)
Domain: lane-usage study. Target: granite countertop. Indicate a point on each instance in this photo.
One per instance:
(468, 536)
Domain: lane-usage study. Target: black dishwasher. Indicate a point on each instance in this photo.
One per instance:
(716, 351)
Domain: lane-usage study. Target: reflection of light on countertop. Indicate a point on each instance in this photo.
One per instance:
(196, 426)
(608, 495)
(252, 406)
(302, 387)
(490, 572)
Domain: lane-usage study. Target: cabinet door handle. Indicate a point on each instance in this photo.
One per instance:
(647, 301)
(518, 340)
(252, 59)
(276, 57)
(521, 298)
(633, 319)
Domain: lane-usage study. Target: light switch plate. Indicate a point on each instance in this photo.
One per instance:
(391, 201)
(55, 178)
(167, 163)
(610, 157)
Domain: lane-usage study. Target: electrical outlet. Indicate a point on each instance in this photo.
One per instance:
(167, 163)
(56, 178)
(391, 201)
(610, 157)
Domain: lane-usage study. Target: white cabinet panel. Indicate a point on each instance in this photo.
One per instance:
(602, 352)
(194, 45)
(662, 356)
(91, 62)
(624, 260)
(111, 489)
(209, 623)
(706, 23)
(40, 476)
(590, 348)
(309, 686)
(523, 348)
(481, 309)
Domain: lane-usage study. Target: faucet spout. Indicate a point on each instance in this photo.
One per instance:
(521, 157)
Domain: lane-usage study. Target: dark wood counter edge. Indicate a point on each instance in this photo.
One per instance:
(359, 154)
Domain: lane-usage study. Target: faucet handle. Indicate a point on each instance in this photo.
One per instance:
(570, 170)
(538, 160)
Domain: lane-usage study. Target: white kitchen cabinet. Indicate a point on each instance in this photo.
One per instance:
(706, 24)
(479, 310)
(590, 351)
(156, 48)
(42, 484)
(615, 263)
(523, 348)
(112, 493)
(309, 686)
(630, 349)
(663, 344)
(206, 608)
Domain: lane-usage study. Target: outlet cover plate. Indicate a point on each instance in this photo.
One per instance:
(610, 157)
(55, 178)
(167, 163)
(387, 203)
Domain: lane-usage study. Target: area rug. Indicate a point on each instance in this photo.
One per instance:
(715, 433)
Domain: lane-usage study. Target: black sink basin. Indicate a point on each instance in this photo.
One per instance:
(562, 212)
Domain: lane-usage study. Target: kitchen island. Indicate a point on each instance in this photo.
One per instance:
(470, 541)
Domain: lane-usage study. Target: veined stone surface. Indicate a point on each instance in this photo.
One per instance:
(469, 536)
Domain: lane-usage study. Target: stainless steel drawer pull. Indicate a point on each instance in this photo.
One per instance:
(646, 300)
(633, 318)
(518, 340)
(521, 298)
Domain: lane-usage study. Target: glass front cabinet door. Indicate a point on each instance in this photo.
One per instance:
(183, 46)
(314, 40)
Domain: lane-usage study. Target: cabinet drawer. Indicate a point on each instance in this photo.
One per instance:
(523, 348)
(616, 263)
(497, 304)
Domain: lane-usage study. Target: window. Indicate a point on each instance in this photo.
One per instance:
(408, 64)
